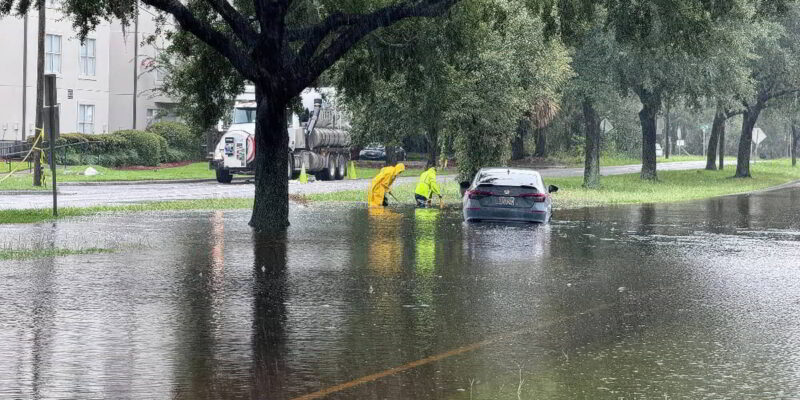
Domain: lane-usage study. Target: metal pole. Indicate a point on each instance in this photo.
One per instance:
(704, 141)
(52, 104)
(135, 60)
(24, 74)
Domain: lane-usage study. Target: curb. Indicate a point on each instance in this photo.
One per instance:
(155, 181)
(27, 192)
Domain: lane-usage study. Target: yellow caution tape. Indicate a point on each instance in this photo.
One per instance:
(33, 147)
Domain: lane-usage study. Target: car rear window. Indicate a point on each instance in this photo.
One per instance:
(510, 179)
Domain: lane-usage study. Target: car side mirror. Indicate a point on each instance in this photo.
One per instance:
(552, 188)
(463, 186)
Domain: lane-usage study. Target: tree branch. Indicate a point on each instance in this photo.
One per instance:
(207, 34)
(235, 20)
(353, 28)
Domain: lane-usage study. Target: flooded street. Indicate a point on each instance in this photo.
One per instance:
(687, 300)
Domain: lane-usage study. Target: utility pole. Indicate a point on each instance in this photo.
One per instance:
(135, 60)
(24, 74)
(37, 164)
(52, 133)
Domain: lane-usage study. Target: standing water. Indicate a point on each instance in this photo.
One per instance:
(683, 300)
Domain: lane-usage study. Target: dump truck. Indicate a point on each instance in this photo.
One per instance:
(320, 146)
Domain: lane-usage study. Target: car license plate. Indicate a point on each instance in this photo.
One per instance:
(504, 201)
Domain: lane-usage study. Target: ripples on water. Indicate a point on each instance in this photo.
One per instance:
(682, 300)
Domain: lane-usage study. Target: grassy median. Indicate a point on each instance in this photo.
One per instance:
(625, 189)
(672, 186)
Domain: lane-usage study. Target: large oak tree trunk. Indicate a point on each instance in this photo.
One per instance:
(591, 169)
(271, 205)
(647, 117)
(749, 119)
(717, 127)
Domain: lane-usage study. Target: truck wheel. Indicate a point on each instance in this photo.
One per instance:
(341, 167)
(223, 175)
(290, 168)
(329, 173)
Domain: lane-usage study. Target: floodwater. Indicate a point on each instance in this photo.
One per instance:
(689, 300)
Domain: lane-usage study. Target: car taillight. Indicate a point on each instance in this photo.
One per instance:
(475, 194)
(536, 197)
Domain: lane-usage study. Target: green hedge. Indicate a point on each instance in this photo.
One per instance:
(161, 142)
(152, 149)
(121, 148)
(183, 144)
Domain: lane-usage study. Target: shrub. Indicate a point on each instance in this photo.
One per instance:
(151, 148)
(179, 137)
(122, 148)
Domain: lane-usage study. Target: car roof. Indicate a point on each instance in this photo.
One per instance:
(508, 171)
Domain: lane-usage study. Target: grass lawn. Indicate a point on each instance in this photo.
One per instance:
(23, 180)
(368, 173)
(611, 161)
(198, 170)
(626, 189)
(45, 214)
(27, 254)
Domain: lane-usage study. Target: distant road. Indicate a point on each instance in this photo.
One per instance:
(113, 194)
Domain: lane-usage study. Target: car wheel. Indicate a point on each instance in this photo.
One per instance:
(223, 175)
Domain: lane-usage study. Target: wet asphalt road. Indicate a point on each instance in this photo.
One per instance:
(94, 195)
(687, 300)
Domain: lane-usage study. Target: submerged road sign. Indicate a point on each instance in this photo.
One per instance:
(758, 135)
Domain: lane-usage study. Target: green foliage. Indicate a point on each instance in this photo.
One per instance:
(183, 143)
(203, 82)
(461, 84)
(150, 147)
(114, 149)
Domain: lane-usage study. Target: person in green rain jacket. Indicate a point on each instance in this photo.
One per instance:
(427, 187)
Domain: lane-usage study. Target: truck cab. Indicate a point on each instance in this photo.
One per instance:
(320, 147)
(236, 150)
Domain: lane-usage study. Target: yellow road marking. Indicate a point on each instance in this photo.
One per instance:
(437, 357)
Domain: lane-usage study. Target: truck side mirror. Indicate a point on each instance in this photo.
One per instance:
(463, 186)
(552, 189)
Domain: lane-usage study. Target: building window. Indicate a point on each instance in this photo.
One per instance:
(152, 115)
(86, 118)
(88, 58)
(52, 54)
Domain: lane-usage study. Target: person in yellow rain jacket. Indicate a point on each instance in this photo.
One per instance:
(427, 187)
(382, 183)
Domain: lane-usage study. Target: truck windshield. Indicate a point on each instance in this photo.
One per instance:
(244, 115)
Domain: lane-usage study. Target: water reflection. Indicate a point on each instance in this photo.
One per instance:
(616, 302)
(269, 316)
(425, 240)
(385, 237)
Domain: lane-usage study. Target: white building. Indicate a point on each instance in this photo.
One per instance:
(95, 79)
